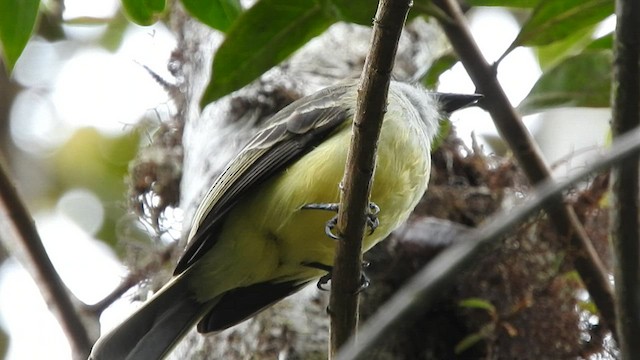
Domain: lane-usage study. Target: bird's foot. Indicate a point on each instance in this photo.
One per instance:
(372, 217)
(324, 279)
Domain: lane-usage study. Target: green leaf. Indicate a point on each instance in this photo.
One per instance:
(143, 12)
(438, 67)
(217, 14)
(261, 38)
(574, 276)
(112, 37)
(468, 342)
(602, 43)
(552, 54)
(553, 20)
(478, 303)
(588, 306)
(504, 3)
(17, 20)
(583, 80)
(355, 11)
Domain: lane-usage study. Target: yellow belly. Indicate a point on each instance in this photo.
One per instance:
(268, 237)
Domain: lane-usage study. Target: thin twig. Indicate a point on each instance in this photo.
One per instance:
(524, 148)
(625, 224)
(132, 279)
(410, 302)
(356, 184)
(24, 237)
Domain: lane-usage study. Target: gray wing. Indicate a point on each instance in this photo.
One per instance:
(291, 133)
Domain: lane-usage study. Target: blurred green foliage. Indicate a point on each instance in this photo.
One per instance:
(553, 20)
(267, 33)
(217, 14)
(582, 80)
(144, 12)
(4, 343)
(98, 163)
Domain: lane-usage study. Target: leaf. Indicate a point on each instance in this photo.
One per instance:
(17, 20)
(583, 80)
(112, 37)
(143, 12)
(359, 12)
(478, 303)
(552, 54)
(573, 276)
(602, 43)
(588, 306)
(504, 3)
(260, 38)
(438, 67)
(553, 20)
(468, 342)
(217, 14)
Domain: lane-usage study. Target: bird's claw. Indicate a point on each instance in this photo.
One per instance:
(328, 228)
(324, 280)
(372, 217)
(364, 282)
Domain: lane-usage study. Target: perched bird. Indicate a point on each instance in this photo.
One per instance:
(257, 236)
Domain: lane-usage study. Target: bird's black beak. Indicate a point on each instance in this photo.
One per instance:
(452, 102)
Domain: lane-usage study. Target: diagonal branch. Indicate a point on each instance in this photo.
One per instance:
(510, 126)
(356, 184)
(24, 237)
(625, 205)
(132, 279)
(435, 278)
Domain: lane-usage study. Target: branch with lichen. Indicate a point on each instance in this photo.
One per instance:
(512, 129)
(427, 285)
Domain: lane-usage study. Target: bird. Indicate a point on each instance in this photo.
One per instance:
(259, 234)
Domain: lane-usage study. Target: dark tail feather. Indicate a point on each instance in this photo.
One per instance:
(154, 329)
(240, 304)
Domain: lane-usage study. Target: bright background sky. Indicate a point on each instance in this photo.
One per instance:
(93, 87)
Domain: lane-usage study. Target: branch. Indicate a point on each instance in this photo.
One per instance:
(426, 286)
(132, 279)
(356, 184)
(510, 126)
(24, 236)
(625, 225)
